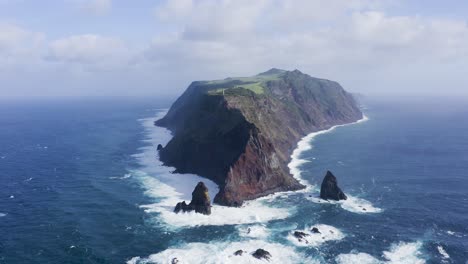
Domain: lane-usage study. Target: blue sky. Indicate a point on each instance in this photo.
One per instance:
(116, 47)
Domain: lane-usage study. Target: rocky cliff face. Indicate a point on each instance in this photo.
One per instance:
(240, 132)
(201, 202)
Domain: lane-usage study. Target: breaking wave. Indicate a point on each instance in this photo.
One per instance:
(401, 253)
(223, 252)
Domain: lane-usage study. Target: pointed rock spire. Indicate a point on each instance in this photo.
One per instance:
(330, 190)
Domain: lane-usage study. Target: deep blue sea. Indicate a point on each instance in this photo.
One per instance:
(80, 182)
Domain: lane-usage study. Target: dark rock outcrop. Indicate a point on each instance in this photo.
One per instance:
(330, 190)
(261, 254)
(239, 252)
(315, 230)
(200, 203)
(159, 147)
(240, 132)
(301, 236)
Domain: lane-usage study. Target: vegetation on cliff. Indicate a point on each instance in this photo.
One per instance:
(240, 132)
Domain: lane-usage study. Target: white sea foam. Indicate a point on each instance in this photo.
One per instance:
(250, 212)
(253, 231)
(223, 252)
(169, 188)
(405, 253)
(401, 253)
(442, 252)
(2, 214)
(352, 204)
(356, 258)
(327, 233)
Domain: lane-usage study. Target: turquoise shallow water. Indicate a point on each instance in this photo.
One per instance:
(80, 183)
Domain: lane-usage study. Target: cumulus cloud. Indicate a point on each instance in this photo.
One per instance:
(350, 41)
(356, 42)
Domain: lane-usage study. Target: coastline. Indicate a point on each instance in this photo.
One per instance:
(167, 188)
(302, 145)
(306, 144)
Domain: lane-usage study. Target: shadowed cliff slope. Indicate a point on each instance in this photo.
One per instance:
(240, 132)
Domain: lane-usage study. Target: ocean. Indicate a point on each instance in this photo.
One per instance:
(80, 182)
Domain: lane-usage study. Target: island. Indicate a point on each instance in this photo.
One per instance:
(240, 132)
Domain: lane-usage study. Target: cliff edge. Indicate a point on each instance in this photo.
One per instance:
(240, 132)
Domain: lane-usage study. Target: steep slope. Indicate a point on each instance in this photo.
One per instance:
(240, 132)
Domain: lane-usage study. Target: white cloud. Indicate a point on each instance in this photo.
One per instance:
(345, 40)
(18, 45)
(355, 42)
(90, 49)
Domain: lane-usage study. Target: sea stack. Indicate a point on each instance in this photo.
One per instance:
(201, 202)
(330, 189)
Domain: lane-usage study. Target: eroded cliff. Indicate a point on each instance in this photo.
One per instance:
(240, 132)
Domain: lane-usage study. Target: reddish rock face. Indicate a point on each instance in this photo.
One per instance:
(243, 140)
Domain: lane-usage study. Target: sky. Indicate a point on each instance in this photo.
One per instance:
(152, 48)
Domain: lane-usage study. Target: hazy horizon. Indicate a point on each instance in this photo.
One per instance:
(80, 48)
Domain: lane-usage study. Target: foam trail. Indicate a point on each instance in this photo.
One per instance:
(223, 252)
(442, 252)
(169, 188)
(2, 214)
(253, 231)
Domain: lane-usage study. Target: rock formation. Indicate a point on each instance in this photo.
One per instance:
(200, 203)
(315, 230)
(239, 252)
(261, 254)
(301, 236)
(159, 147)
(240, 132)
(330, 190)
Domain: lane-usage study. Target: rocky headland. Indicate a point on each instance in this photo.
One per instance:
(240, 132)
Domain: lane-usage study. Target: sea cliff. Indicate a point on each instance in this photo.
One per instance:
(240, 132)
